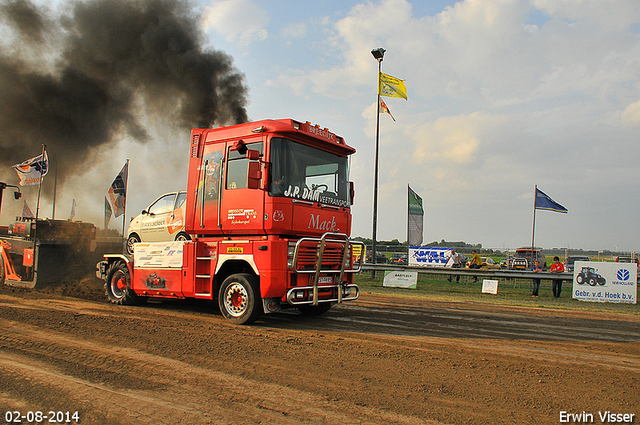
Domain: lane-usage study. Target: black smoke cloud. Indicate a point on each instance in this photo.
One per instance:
(84, 78)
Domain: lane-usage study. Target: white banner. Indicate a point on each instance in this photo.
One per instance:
(605, 282)
(398, 279)
(489, 286)
(158, 255)
(428, 256)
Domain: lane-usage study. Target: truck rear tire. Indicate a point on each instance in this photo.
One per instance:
(239, 299)
(117, 286)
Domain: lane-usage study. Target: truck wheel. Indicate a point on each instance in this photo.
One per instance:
(314, 310)
(118, 286)
(239, 299)
(133, 238)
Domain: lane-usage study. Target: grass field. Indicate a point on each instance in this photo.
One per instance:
(510, 292)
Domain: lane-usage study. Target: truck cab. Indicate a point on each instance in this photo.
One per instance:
(525, 258)
(268, 212)
(275, 177)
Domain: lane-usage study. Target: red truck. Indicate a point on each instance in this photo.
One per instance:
(268, 212)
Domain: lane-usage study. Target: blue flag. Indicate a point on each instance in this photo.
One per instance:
(544, 202)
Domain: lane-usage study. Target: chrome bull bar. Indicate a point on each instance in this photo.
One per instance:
(342, 288)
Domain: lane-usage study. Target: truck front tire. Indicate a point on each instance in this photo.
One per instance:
(117, 286)
(239, 299)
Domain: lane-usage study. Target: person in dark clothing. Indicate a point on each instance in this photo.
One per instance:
(536, 282)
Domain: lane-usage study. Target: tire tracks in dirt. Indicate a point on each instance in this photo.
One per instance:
(128, 386)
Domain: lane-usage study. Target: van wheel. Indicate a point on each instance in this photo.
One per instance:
(239, 299)
(118, 286)
(133, 238)
(182, 236)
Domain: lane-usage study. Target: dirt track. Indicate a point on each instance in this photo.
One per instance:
(379, 360)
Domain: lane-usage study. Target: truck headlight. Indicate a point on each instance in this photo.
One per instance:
(290, 251)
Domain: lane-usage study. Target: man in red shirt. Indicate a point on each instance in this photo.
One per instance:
(556, 267)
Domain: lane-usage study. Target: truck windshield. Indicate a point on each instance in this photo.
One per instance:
(303, 172)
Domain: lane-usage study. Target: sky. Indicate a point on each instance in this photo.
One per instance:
(503, 95)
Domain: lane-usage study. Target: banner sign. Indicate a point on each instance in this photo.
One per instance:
(357, 252)
(605, 282)
(158, 255)
(398, 279)
(490, 286)
(428, 256)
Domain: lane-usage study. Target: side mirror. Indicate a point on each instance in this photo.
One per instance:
(352, 193)
(17, 195)
(253, 155)
(254, 175)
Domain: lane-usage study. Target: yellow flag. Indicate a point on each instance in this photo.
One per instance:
(391, 86)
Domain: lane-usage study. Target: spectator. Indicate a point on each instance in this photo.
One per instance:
(536, 282)
(475, 263)
(455, 263)
(556, 284)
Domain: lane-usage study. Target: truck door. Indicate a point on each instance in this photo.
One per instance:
(207, 189)
(242, 203)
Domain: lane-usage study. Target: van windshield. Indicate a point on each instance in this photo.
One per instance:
(304, 172)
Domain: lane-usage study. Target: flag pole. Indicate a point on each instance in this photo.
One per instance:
(408, 212)
(378, 54)
(533, 232)
(40, 184)
(35, 228)
(124, 213)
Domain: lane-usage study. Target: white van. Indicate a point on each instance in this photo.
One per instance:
(161, 221)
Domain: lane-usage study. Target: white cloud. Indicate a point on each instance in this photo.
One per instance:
(498, 102)
(238, 21)
(294, 30)
(608, 15)
(631, 114)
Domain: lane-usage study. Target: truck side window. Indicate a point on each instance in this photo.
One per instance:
(237, 167)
